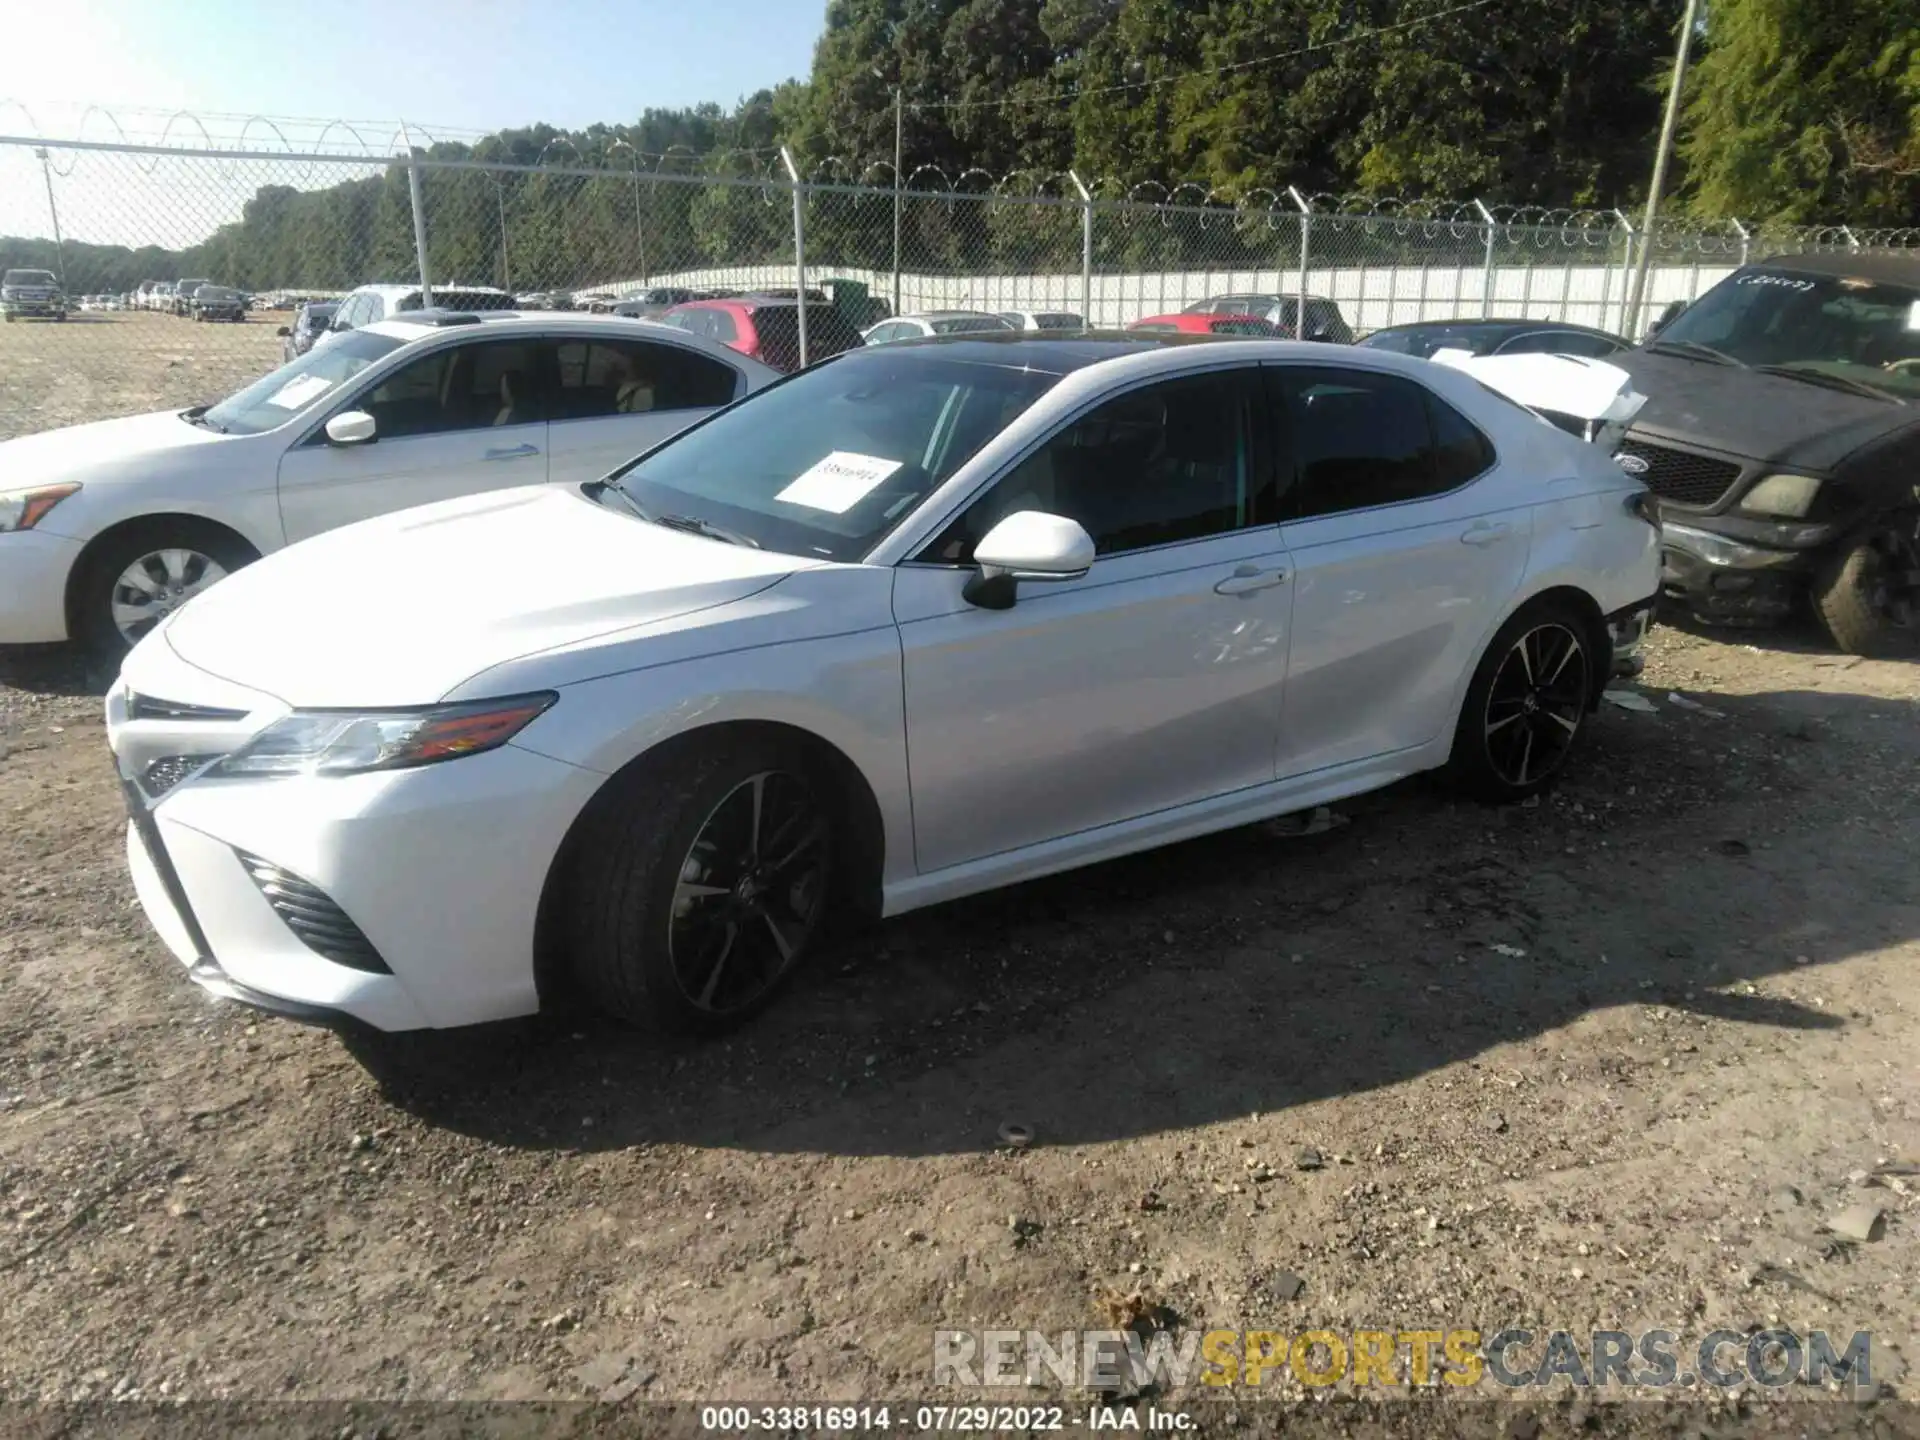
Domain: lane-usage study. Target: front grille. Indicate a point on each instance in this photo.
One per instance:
(146, 707)
(169, 770)
(307, 910)
(1680, 475)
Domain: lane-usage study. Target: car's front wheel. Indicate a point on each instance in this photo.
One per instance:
(699, 883)
(139, 576)
(1868, 595)
(1526, 705)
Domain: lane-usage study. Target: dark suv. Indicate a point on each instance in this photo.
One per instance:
(32, 292)
(1781, 439)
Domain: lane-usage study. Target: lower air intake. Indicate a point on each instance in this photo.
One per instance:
(307, 910)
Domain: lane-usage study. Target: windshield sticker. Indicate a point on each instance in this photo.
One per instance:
(839, 482)
(1784, 281)
(298, 391)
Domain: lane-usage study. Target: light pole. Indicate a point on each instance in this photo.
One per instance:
(1667, 128)
(899, 130)
(59, 250)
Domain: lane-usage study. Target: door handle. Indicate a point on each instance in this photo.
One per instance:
(512, 454)
(1246, 579)
(1484, 532)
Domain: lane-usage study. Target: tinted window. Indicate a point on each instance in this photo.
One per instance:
(778, 327)
(1359, 440)
(831, 460)
(1570, 342)
(969, 324)
(1060, 321)
(462, 387)
(634, 377)
(1170, 462)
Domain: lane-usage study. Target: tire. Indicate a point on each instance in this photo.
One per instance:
(98, 584)
(664, 830)
(1533, 696)
(1852, 598)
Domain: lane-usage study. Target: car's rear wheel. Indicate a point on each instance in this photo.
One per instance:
(141, 575)
(1868, 595)
(1526, 705)
(699, 883)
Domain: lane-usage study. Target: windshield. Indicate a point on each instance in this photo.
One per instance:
(828, 462)
(1424, 340)
(1859, 329)
(270, 402)
(27, 277)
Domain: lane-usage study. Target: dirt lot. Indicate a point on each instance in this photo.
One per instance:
(99, 364)
(1607, 1061)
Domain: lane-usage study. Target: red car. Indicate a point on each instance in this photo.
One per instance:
(1191, 324)
(767, 327)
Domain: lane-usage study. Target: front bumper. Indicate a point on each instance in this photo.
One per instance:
(439, 868)
(41, 308)
(34, 567)
(1727, 580)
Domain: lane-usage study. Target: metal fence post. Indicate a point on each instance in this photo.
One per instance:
(1626, 272)
(1086, 247)
(1486, 265)
(419, 220)
(1306, 252)
(799, 248)
(1746, 238)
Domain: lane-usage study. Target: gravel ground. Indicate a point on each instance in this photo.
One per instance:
(1605, 1061)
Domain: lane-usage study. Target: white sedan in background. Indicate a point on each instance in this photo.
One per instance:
(917, 622)
(106, 528)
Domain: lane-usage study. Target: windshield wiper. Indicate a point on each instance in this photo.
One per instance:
(596, 489)
(198, 416)
(693, 525)
(1830, 380)
(1693, 350)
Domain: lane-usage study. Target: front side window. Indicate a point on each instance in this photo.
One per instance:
(1155, 466)
(596, 378)
(458, 387)
(831, 460)
(275, 399)
(1357, 440)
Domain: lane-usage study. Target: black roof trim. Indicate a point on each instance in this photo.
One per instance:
(1894, 269)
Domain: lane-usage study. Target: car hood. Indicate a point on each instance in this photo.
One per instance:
(400, 609)
(1743, 413)
(104, 450)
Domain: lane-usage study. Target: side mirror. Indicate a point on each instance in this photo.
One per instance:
(1027, 545)
(1667, 317)
(351, 427)
(283, 332)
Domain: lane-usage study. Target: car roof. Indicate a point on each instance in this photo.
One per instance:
(388, 288)
(1490, 323)
(1894, 269)
(1036, 350)
(420, 325)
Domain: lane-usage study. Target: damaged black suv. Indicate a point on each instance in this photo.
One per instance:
(1781, 437)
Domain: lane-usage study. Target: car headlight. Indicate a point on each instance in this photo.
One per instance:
(24, 509)
(1788, 495)
(337, 742)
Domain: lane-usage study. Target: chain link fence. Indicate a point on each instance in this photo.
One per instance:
(119, 224)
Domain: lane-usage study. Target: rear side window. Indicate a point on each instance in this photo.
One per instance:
(629, 377)
(1359, 440)
(1248, 326)
(778, 327)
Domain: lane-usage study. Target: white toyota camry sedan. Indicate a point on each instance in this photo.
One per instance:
(107, 528)
(917, 622)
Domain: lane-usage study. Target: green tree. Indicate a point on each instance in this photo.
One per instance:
(1805, 110)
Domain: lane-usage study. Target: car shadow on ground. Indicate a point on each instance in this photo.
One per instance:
(54, 670)
(1248, 973)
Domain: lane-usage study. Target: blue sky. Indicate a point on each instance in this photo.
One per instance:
(471, 64)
